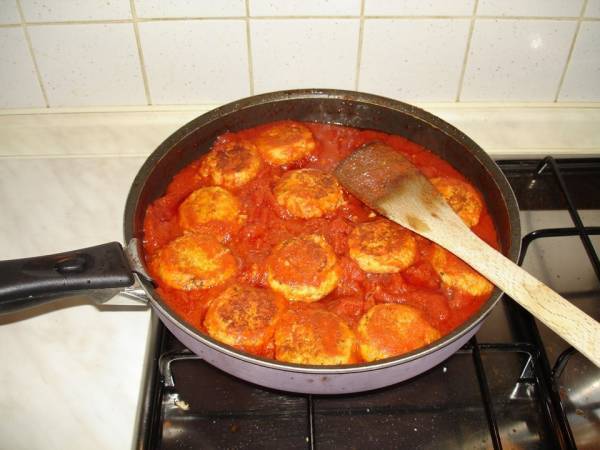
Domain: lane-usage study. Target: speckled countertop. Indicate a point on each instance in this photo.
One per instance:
(70, 377)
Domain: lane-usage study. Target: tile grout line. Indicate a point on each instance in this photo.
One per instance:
(571, 48)
(225, 18)
(38, 75)
(467, 50)
(534, 18)
(138, 43)
(360, 44)
(249, 49)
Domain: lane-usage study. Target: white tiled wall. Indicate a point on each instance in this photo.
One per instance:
(56, 53)
(195, 61)
(70, 10)
(189, 8)
(18, 81)
(530, 8)
(413, 68)
(496, 71)
(593, 8)
(91, 64)
(419, 7)
(9, 12)
(583, 74)
(304, 53)
(304, 8)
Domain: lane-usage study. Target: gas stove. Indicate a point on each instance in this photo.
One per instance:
(515, 385)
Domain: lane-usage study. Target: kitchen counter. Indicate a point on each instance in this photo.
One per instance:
(70, 377)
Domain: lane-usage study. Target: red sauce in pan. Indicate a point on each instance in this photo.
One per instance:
(267, 225)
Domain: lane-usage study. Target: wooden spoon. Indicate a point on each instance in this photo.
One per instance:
(389, 183)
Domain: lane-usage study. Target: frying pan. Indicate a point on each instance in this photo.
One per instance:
(108, 269)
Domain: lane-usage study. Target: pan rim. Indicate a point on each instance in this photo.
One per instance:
(482, 157)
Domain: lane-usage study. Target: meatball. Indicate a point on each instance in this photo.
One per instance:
(308, 193)
(382, 246)
(388, 330)
(458, 275)
(303, 268)
(244, 317)
(313, 336)
(207, 205)
(285, 142)
(462, 197)
(194, 261)
(231, 163)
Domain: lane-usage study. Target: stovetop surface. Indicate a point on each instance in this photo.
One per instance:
(496, 392)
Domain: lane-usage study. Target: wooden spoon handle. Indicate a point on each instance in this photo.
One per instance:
(557, 313)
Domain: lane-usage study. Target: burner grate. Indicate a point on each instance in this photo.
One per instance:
(527, 328)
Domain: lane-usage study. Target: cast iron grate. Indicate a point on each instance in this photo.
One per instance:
(205, 407)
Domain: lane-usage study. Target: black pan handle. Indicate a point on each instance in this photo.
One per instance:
(33, 281)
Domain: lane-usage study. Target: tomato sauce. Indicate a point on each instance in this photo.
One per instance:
(268, 224)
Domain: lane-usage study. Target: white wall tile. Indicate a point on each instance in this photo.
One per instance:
(593, 8)
(530, 8)
(582, 80)
(195, 61)
(518, 60)
(304, 7)
(86, 65)
(9, 12)
(419, 7)
(302, 53)
(190, 8)
(62, 10)
(20, 87)
(413, 60)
